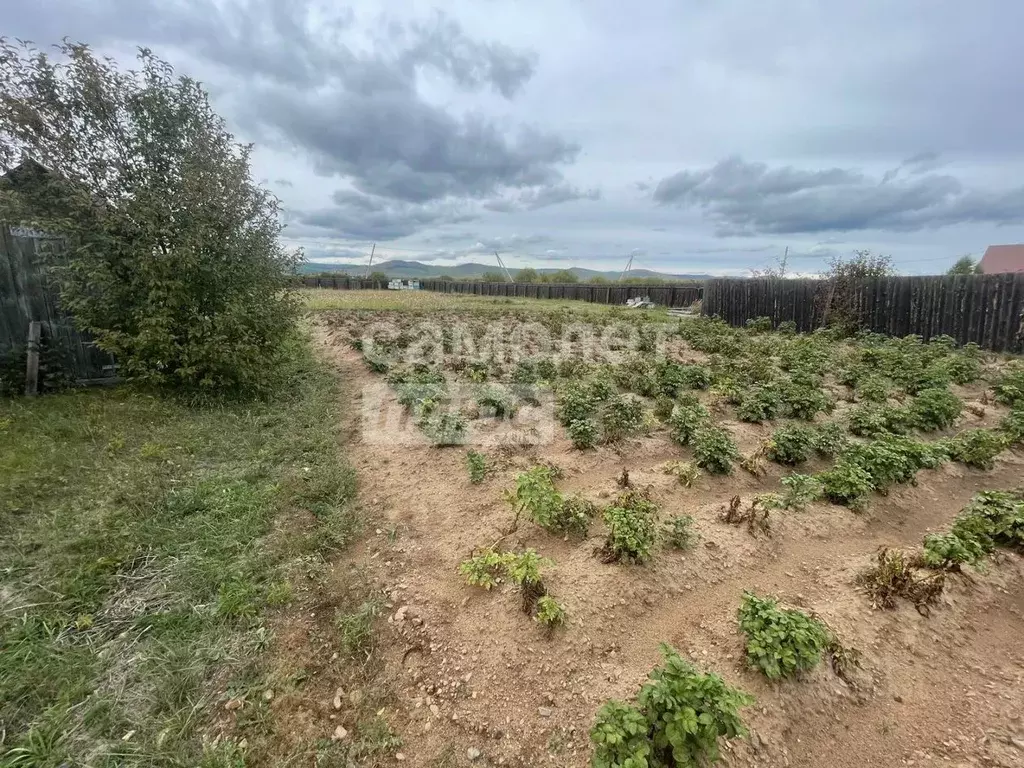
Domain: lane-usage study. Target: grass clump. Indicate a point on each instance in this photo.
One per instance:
(678, 719)
(632, 528)
(714, 450)
(355, 627)
(780, 641)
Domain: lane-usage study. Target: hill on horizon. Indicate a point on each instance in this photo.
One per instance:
(417, 269)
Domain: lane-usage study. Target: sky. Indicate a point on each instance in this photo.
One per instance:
(695, 135)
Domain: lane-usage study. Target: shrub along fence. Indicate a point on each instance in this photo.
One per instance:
(26, 295)
(985, 309)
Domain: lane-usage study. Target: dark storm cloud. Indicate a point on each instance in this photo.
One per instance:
(369, 217)
(744, 198)
(353, 113)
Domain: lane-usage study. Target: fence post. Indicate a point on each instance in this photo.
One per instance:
(35, 330)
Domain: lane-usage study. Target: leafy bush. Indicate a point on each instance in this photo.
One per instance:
(801, 490)
(963, 368)
(934, 409)
(497, 401)
(632, 528)
(1012, 425)
(977, 447)
(621, 737)
(477, 465)
(484, 570)
(583, 433)
(536, 495)
(623, 416)
(830, 439)
(780, 641)
(871, 420)
(893, 459)
(714, 449)
(685, 472)
(846, 484)
(1009, 388)
(550, 613)
(873, 389)
(679, 532)
(761, 404)
(804, 400)
(444, 428)
(694, 377)
(759, 324)
(685, 420)
(688, 711)
(176, 267)
(791, 444)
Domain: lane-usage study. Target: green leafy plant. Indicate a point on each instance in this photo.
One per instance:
(477, 465)
(791, 444)
(714, 449)
(1009, 387)
(801, 490)
(830, 439)
(1013, 425)
(523, 570)
(623, 416)
(496, 401)
(679, 532)
(977, 447)
(991, 519)
(803, 398)
(621, 737)
(760, 404)
(484, 570)
(535, 494)
(444, 428)
(550, 613)
(873, 389)
(583, 433)
(632, 528)
(688, 712)
(934, 409)
(685, 472)
(780, 641)
(356, 627)
(176, 266)
(871, 420)
(576, 402)
(685, 420)
(846, 483)
(576, 515)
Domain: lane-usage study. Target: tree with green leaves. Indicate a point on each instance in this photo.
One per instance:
(561, 276)
(965, 265)
(378, 277)
(174, 263)
(493, 277)
(527, 275)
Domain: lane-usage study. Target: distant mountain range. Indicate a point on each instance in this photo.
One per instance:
(408, 269)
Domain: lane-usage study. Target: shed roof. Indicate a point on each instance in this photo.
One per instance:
(1003, 258)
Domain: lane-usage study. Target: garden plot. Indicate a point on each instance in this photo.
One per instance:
(788, 533)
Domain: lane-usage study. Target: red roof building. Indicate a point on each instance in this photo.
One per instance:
(1003, 258)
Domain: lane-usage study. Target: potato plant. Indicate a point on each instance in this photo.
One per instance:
(632, 528)
(714, 449)
(934, 409)
(977, 447)
(781, 642)
(686, 419)
(685, 472)
(679, 532)
(791, 444)
(583, 433)
(550, 613)
(623, 416)
(800, 490)
(536, 495)
(476, 463)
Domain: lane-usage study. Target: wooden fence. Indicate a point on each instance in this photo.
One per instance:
(985, 309)
(27, 295)
(672, 295)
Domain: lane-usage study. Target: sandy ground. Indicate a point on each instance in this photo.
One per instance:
(473, 676)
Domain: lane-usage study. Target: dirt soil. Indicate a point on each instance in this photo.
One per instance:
(477, 682)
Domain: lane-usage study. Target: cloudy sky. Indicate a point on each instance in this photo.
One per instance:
(699, 135)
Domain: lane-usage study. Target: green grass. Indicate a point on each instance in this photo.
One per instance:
(139, 559)
(320, 299)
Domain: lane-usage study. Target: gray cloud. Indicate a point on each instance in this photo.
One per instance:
(744, 198)
(368, 217)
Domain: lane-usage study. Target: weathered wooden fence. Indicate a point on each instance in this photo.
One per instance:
(27, 295)
(671, 295)
(985, 309)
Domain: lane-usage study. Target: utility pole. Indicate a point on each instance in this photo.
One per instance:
(629, 264)
(501, 264)
(782, 264)
(374, 248)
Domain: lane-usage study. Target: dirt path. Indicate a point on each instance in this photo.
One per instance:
(477, 677)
